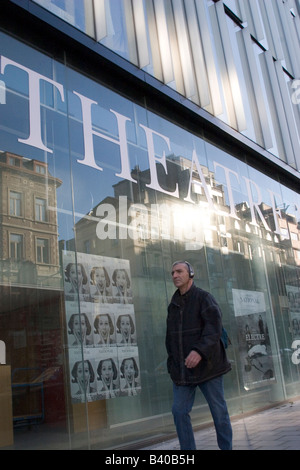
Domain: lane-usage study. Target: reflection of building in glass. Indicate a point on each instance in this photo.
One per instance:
(283, 247)
(29, 234)
(31, 287)
(143, 217)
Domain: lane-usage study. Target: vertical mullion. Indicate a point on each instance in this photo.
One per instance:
(100, 19)
(231, 68)
(197, 53)
(164, 41)
(289, 115)
(130, 32)
(141, 32)
(154, 42)
(184, 49)
(257, 88)
(206, 41)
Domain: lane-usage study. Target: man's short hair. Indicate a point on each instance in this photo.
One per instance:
(189, 266)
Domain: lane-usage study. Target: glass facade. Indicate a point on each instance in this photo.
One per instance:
(235, 59)
(99, 196)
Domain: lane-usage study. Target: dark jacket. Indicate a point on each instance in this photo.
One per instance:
(194, 322)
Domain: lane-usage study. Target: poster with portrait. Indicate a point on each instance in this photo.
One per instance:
(130, 383)
(101, 327)
(83, 379)
(253, 338)
(293, 294)
(79, 324)
(108, 373)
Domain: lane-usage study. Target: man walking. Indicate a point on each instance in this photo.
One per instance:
(196, 356)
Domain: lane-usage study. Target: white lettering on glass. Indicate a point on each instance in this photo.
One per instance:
(227, 173)
(202, 179)
(153, 159)
(34, 79)
(107, 225)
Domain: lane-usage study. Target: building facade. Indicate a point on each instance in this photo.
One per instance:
(135, 133)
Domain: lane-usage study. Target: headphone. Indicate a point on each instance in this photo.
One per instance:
(189, 266)
(191, 270)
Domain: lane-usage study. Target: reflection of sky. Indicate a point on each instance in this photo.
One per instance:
(116, 37)
(78, 11)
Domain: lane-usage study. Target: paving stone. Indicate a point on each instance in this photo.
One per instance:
(275, 429)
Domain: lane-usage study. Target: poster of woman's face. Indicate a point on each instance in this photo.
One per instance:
(100, 284)
(129, 375)
(76, 280)
(122, 292)
(104, 329)
(100, 327)
(83, 381)
(79, 330)
(108, 377)
(125, 326)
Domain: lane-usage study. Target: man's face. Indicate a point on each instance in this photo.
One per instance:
(180, 276)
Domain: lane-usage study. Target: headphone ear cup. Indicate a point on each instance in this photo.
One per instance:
(191, 271)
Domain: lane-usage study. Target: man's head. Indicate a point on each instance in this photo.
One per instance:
(182, 275)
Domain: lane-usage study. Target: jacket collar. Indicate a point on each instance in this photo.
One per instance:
(184, 296)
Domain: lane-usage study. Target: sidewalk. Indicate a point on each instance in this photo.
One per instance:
(274, 429)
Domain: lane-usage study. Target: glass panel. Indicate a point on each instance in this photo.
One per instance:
(79, 13)
(288, 279)
(32, 319)
(112, 32)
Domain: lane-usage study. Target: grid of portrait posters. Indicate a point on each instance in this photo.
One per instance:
(101, 327)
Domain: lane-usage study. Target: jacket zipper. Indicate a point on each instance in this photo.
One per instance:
(182, 373)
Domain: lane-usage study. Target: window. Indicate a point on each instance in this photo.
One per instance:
(16, 246)
(87, 246)
(15, 203)
(13, 161)
(42, 250)
(40, 169)
(284, 233)
(294, 236)
(240, 247)
(40, 209)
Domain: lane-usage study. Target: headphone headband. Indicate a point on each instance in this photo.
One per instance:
(189, 266)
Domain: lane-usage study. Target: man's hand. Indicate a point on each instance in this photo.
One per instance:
(192, 360)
